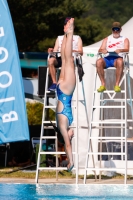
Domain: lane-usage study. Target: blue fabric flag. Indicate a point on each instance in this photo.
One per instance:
(13, 118)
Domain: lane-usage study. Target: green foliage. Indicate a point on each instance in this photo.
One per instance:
(37, 23)
(51, 115)
(34, 113)
(106, 12)
(90, 31)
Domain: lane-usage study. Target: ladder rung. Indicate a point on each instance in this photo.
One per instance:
(106, 153)
(49, 137)
(105, 169)
(109, 106)
(116, 141)
(114, 100)
(115, 138)
(46, 122)
(129, 120)
(100, 127)
(55, 106)
(53, 168)
(54, 152)
(108, 122)
(51, 127)
(48, 127)
(50, 106)
(49, 92)
(109, 91)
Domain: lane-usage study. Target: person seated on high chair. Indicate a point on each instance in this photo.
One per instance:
(112, 47)
(55, 62)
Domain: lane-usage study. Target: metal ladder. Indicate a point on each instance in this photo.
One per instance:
(74, 125)
(102, 102)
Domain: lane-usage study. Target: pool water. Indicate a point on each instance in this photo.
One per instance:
(63, 191)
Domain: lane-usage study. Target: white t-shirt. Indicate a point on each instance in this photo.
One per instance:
(75, 42)
(115, 43)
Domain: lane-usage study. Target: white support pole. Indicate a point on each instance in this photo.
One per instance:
(76, 125)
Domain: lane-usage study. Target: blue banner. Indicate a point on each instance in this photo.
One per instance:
(13, 118)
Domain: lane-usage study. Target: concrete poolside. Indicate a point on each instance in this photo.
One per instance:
(63, 181)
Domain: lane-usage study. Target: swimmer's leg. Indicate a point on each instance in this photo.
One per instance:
(69, 82)
(61, 78)
(63, 126)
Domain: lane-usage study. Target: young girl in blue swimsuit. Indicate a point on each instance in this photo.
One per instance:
(65, 89)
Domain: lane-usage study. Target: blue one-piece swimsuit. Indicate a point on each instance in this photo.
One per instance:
(66, 101)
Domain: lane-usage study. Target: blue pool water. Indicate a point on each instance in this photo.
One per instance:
(62, 191)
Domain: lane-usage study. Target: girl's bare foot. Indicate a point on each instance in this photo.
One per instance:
(70, 26)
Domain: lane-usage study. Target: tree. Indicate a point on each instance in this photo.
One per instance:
(37, 23)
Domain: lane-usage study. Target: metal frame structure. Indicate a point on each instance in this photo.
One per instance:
(74, 125)
(102, 123)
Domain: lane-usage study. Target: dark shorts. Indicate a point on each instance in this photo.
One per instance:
(59, 63)
(109, 60)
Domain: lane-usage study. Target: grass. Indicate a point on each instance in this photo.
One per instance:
(49, 174)
(8, 173)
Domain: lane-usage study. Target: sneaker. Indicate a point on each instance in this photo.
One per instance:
(52, 88)
(117, 88)
(101, 89)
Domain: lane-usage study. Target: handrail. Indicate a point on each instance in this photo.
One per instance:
(125, 54)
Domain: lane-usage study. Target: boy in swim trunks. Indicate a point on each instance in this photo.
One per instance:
(112, 47)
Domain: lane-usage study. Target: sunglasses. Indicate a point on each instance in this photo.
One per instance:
(116, 29)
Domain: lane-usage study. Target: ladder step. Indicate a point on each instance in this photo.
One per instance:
(129, 120)
(106, 153)
(54, 152)
(108, 122)
(105, 169)
(55, 106)
(114, 100)
(50, 106)
(114, 138)
(109, 106)
(109, 91)
(49, 137)
(53, 168)
(51, 127)
(100, 127)
(50, 92)
(118, 141)
(48, 127)
(46, 122)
